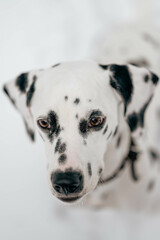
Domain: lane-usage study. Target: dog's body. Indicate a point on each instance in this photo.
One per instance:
(91, 117)
(140, 47)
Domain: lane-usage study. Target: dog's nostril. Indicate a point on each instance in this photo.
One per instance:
(67, 182)
(57, 188)
(72, 188)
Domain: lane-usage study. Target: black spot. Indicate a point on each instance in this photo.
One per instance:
(133, 120)
(76, 101)
(85, 143)
(133, 144)
(22, 82)
(154, 78)
(115, 132)
(31, 91)
(89, 100)
(109, 135)
(105, 67)
(77, 116)
(132, 158)
(137, 119)
(105, 130)
(56, 65)
(146, 78)
(66, 98)
(119, 140)
(133, 155)
(57, 145)
(154, 156)
(7, 93)
(58, 130)
(122, 82)
(30, 132)
(62, 148)
(100, 171)
(133, 63)
(55, 127)
(133, 172)
(89, 169)
(34, 78)
(83, 127)
(150, 185)
(62, 159)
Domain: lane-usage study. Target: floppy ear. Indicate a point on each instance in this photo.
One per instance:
(20, 91)
(135, 86)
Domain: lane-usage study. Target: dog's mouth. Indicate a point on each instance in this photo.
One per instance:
(69, 199)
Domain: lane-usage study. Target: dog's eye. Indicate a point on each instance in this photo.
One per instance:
(43, 123)
(95, 121)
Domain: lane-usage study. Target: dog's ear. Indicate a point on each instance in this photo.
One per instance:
(21, 92)
(135, 86)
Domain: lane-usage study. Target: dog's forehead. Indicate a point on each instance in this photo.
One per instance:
(72, 74)
(74, 83)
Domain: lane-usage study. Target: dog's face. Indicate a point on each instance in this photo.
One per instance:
(74, 106)
(76, 119)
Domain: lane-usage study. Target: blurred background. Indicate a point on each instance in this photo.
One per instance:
(38, 34)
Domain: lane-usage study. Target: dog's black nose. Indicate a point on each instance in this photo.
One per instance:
(67, 182)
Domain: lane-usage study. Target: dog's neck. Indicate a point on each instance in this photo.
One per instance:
(117, 151)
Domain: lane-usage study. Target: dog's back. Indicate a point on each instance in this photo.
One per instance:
(141, 47)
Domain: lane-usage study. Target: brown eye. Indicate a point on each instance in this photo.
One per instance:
(43, 123)
(95, 121)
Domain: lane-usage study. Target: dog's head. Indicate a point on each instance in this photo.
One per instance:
(74, 107)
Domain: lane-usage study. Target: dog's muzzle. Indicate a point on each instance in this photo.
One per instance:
(67, 185)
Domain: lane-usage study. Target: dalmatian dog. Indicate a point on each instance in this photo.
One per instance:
(91, 117)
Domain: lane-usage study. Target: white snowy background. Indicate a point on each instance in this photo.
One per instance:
(37, 34)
